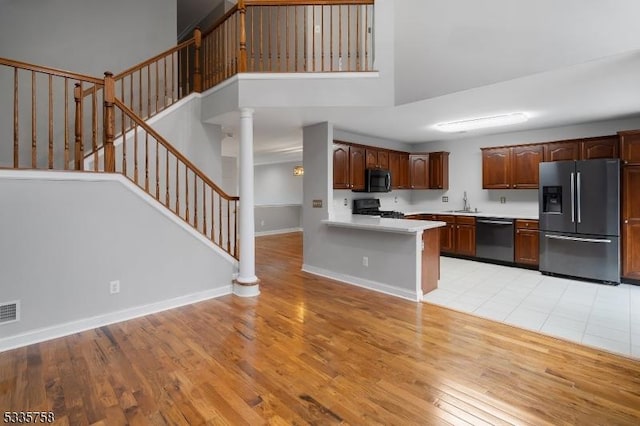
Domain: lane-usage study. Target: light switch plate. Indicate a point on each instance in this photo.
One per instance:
(317, 204)
(445, 199)
(503, 200)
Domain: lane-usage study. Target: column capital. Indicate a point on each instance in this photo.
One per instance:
(246, 112)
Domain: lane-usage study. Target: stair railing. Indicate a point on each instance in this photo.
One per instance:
(42, 113)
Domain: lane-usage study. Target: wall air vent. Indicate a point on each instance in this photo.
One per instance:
(9, 312)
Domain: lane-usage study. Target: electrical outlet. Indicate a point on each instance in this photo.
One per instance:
(395, 200)
(346, 202)
(262, 223)
(365, 261)
(445, 199)
(317, 204)
(503, 200)
(317, 29)
(114, 287)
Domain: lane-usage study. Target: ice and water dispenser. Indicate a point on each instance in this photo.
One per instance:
(552, 199)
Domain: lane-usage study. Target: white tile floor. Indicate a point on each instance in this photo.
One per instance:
(594, 314)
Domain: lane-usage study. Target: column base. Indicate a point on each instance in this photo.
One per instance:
(251, 289)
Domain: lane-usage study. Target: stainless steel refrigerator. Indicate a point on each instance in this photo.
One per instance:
(579, 204)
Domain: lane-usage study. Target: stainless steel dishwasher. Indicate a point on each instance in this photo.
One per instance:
(494, 239)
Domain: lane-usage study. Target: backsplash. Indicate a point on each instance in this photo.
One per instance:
(487, 201)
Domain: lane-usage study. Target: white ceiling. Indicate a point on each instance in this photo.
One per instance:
(562, 62)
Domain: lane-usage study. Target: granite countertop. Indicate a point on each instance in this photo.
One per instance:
(506, 215)
(375, 223)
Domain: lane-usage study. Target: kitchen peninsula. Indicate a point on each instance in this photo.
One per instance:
(400, 257)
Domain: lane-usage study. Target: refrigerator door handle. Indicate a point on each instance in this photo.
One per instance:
(573, 196)
(578, 202)
(584, 240)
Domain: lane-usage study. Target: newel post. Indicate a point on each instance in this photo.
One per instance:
(197, 75)
(78, 146)
(109, 123)
(242, 56)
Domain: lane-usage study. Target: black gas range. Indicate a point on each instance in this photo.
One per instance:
(371, 207)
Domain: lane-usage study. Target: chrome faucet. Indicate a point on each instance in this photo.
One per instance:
(466, 207)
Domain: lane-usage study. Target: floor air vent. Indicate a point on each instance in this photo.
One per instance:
(9, 312)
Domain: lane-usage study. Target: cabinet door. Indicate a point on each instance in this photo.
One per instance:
(496, 168)
(404, 172)
(630, 222)
(356, 167)
(394, 169)
(630, 147)
(466, 240)
(604, 147)
(341, 167)
(439, 170)
(447, 243)
(372, 158)
(527, 246)
(419, 171)
(383, 159)
(524, 166)
(562, 151)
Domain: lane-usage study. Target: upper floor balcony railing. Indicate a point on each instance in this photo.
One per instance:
(286, 36)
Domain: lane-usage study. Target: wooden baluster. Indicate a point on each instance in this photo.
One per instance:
(366, 39)
(109, 123)
(295, 37)
(348, 38)
(140, 93)
(242, 66)
(16, 121)
(66, 123)
(204, 209)
(50, 122)
(165, 89)
(186, 197)
(331, 37)
(313, 38)
(340, 38)
(78, 148)
(261, 37)
(228, 226)
(357, 38)
(174, 95)
(135, 152)
(219, 220)
(305, 59)
(195, 200)
(157, 170)
(34, 136)
(94, 127)
(124, 100)
(148, 90)
(130, 99)
(177, 188)
(157, 89)
(286, 32)
(146, 161)
(252, 29)
(235, 229)
(167, 201)
(213, 218)
(124, 140)
(278, 64)
(322, 37)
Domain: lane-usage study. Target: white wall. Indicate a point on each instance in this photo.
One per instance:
(276, 184)
(86, 36)
(64, 240)
(465, 167)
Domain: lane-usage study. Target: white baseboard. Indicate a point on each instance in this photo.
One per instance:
(364, 283)
(278, 231)
(61, 330)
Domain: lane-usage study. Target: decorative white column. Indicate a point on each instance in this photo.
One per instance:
(247, 284)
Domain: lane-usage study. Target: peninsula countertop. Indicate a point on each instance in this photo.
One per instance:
(382, 224)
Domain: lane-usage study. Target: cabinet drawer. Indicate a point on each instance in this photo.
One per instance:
(446, 218)
(465, 220)
(526, 224)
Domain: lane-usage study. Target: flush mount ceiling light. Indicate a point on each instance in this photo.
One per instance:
(482, 122)
(298, 171)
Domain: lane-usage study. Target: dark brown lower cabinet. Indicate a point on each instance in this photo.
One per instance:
(527, 242)
(465, 235)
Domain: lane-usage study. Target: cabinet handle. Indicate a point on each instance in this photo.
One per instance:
(515, 186)
(626, 221)
(526, 225)
(518, 231)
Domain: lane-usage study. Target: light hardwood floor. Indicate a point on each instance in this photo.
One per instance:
(312, 351)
